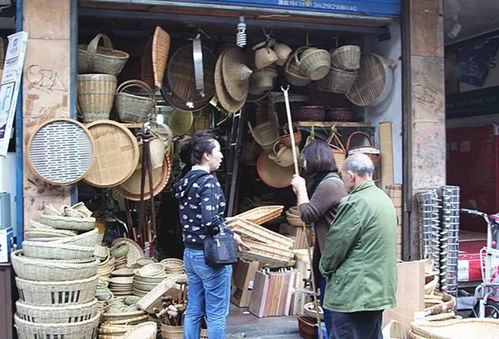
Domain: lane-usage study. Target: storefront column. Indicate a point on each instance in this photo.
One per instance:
(423, 108)
(46, 90)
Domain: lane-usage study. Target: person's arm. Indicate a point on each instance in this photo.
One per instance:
(341, 237)
(210, 217)
(327, 196)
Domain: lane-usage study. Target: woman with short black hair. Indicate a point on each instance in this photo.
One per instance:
(201, 209)
(325, 190)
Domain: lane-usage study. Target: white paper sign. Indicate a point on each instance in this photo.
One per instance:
(9, 88)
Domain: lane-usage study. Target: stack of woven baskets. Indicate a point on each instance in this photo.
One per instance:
(56, 277)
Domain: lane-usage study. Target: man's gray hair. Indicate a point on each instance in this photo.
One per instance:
(360, 164)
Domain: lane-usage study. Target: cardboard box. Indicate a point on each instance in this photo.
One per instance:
(6, 243)
(242, 282)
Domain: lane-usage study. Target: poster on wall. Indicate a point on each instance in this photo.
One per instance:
(9, 87)
(475, 60)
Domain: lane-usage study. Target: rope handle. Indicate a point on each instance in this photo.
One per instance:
(371, 143)
(334, 141)
(298, 51)
(136, 83)
(92, 46)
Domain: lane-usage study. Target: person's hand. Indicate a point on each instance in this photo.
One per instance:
(298, 183)
(241, 245)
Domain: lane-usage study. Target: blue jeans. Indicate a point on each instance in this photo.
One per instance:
(328, 314)
(208, 295)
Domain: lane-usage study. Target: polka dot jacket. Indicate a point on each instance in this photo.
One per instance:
(201, 207)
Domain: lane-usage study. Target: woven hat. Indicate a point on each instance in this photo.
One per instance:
(227, 102)
(235, 74)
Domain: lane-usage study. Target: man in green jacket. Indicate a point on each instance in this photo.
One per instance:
(359, 259)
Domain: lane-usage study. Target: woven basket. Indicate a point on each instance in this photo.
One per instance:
(457, 329)
(261, 215)
(370, 150)
(52, 270)
(309, 113)
(37, 226)
(132, 107)
(286, 138)
(173, 265)
(145, 330)
(313, 63)
(346, 58)
(90, 239)
(153, 298)
(95, 96)
(68, 223)
(79, 330)
(292, 72)
(266, 133)
(51, 250)
(266, 253)
(309, 311)
(92, 58)
(338, 149)
(258, 233)
(338, 81)
(44, 293)
(57, 314)
(176, 332)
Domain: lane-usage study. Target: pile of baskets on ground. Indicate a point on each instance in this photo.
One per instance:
(56, 276)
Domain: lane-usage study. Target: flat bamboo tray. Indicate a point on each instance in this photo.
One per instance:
(116, 154)
(258, 233)
(160, 50)
(457, 329)
(267, 254)
(261, 215)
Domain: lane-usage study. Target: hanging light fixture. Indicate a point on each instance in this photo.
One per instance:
(241, 33)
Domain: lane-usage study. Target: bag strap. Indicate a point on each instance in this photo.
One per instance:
(332, 178)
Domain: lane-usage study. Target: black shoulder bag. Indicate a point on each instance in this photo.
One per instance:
(220, 249)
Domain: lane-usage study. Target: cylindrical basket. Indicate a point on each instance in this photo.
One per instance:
(52, 270)
(346, 58)
(59, 293)
(337, 81)
(79, 330)
(56, 314)
(92, 58)
(132, 107)
(96, 95)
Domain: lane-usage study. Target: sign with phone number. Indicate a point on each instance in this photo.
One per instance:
(389, 8)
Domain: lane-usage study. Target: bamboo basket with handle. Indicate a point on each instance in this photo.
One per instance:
(370, 150)
(133, 107)
(97, 59)
(338, 149)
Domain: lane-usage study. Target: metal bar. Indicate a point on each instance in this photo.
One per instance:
(235, 166)
(254, 9)
(19, 146)
(73, 42)
(205, 19)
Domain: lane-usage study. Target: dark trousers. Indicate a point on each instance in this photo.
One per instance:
(356, 325)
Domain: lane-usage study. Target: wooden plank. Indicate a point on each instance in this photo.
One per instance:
(333, 123)
(385, 143)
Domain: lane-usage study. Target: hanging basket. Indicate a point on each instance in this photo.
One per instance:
(370, 150)
(95, 59)
(346, 58)
(338, 149)
(95, 96)
(292, 71)
(133, 107)
(338, 81)
(313, 63)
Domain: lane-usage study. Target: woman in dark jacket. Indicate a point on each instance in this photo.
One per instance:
(201, 209)
(325, 190)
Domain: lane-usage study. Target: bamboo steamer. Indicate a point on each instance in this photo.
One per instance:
(116, 154)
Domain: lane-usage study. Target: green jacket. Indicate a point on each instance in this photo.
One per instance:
(359, 261)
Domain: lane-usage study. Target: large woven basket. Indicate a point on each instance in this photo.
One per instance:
(79, 330)
(93, 58)
(292, 72)
(313, 63)
(52, 250)
(52, 270)
(43, 293)
(338, 81)
(133, 107)
(346, 58)
(68, 223)
(176, 332)
(95, 96)
(56, 314)
(90, 239)
(457, 329)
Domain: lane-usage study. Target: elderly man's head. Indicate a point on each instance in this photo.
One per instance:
(357, 169)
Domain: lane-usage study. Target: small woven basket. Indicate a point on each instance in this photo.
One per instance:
(56, 314)
(93, 58)
(43, 293)
(371, 151)
(52, 250)
(52, 270)
(338, 149)
(313, 63)
(95, 96)
(132, 107)
(68, 223)
(346, 58)
(337, 81)
(146, 330)
(82, 330)
(292, 72)
(265, 134)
